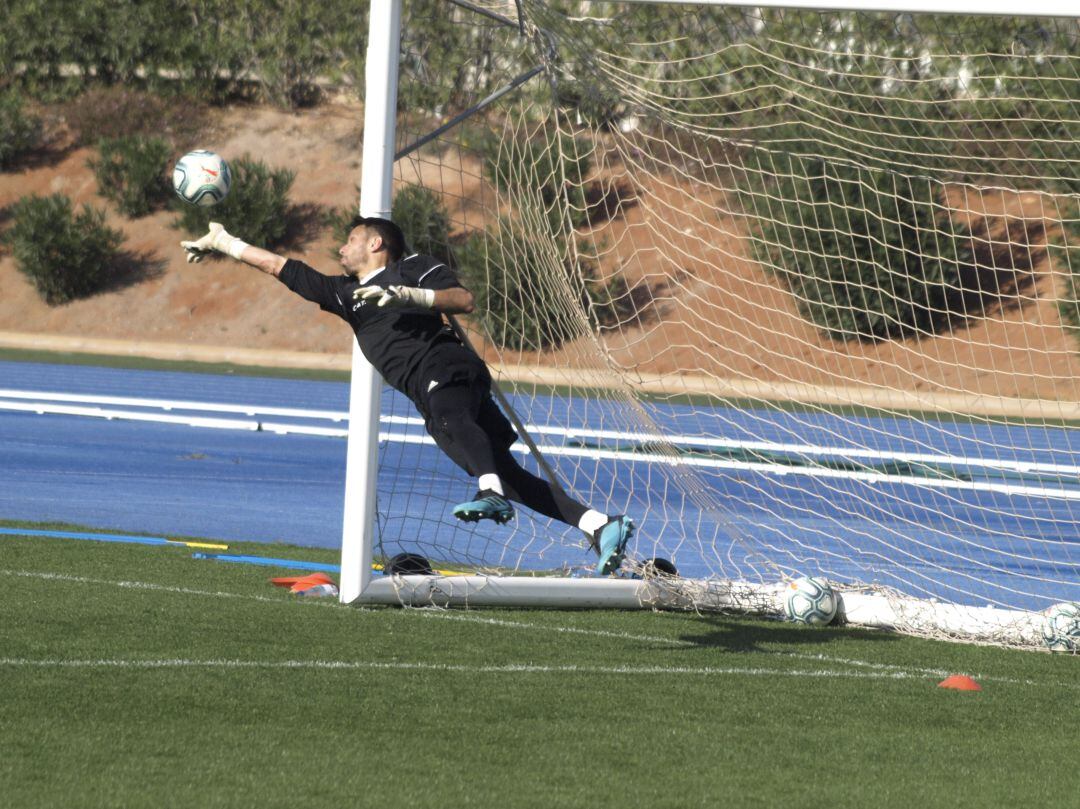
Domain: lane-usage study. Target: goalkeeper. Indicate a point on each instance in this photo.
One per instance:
(395, 306)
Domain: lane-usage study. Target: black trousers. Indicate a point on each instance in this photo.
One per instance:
(454, 397)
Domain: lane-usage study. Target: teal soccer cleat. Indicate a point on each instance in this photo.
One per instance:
(487, 505)
(611, 542)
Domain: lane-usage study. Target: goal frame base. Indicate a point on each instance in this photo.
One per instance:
(859, 607)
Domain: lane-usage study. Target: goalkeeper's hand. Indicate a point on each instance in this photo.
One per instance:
(397, 296)
(217, 239)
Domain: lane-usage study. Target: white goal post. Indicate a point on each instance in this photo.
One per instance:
(886, 604)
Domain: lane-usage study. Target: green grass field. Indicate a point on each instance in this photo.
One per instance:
(138, 676)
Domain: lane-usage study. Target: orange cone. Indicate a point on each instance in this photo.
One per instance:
(960, 682)
(298, 583)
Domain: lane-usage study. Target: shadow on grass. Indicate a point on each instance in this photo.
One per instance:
(737, 634)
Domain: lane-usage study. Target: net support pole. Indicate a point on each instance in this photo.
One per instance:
(365, 391)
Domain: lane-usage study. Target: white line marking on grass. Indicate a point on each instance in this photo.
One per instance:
(917, 670)
(448, 668)
(513, 668)
(138, 585)
(913, 671)
(161, 588)
(867, 664)
(902, 671)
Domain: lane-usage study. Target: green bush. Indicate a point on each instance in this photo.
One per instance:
(19, 132)
(422, 217)
(530, 297)
(131, 172)
(256, 209)
(65, 255)
(873, 255)
(519, 301)
(551, 168)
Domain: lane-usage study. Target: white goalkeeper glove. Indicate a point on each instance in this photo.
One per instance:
(397, 296)
(218, 240)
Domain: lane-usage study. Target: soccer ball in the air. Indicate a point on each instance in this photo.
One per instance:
(1061, 627)
(810, 601)
(201, 178)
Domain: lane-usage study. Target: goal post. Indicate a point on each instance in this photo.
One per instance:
(796, 289)
(365, 391)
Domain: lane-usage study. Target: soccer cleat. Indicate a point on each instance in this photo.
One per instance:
(487, 505)
(610, 540)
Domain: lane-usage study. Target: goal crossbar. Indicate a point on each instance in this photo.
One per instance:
(1036, 8)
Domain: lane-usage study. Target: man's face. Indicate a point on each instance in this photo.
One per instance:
(357, 250)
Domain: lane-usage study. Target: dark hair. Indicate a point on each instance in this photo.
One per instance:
(390, 233)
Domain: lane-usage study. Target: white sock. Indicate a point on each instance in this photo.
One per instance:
(491, 482)
(591, 520)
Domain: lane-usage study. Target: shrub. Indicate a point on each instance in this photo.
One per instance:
(256, 210)
(553, 167)
(870, 255)
(530, 297)
(65, 255)
(423, 219)
(518, 299)
(131, 172)
(19, 133)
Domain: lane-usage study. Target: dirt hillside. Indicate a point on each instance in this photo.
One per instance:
(724, 316)
(214, 302)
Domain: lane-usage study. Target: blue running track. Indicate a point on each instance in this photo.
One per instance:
(1004, 526)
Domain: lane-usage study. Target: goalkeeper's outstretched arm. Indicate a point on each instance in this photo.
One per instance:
(452, 301)
(218, 240)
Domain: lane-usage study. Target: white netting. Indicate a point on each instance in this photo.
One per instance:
(794, 289)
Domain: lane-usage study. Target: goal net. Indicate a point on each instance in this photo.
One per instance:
(796, 290)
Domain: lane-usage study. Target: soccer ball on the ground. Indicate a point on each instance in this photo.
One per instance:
(810, 601)
(1061, 627)
(201, 178)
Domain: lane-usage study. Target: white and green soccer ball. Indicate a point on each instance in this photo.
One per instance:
(201, 178)
(810, 600)
(1061, 627)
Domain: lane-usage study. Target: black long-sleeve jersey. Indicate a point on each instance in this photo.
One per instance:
(394, 339)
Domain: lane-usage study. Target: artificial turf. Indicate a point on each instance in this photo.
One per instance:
(139, 676)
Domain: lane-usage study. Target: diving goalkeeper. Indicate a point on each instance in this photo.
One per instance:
(395, 306)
